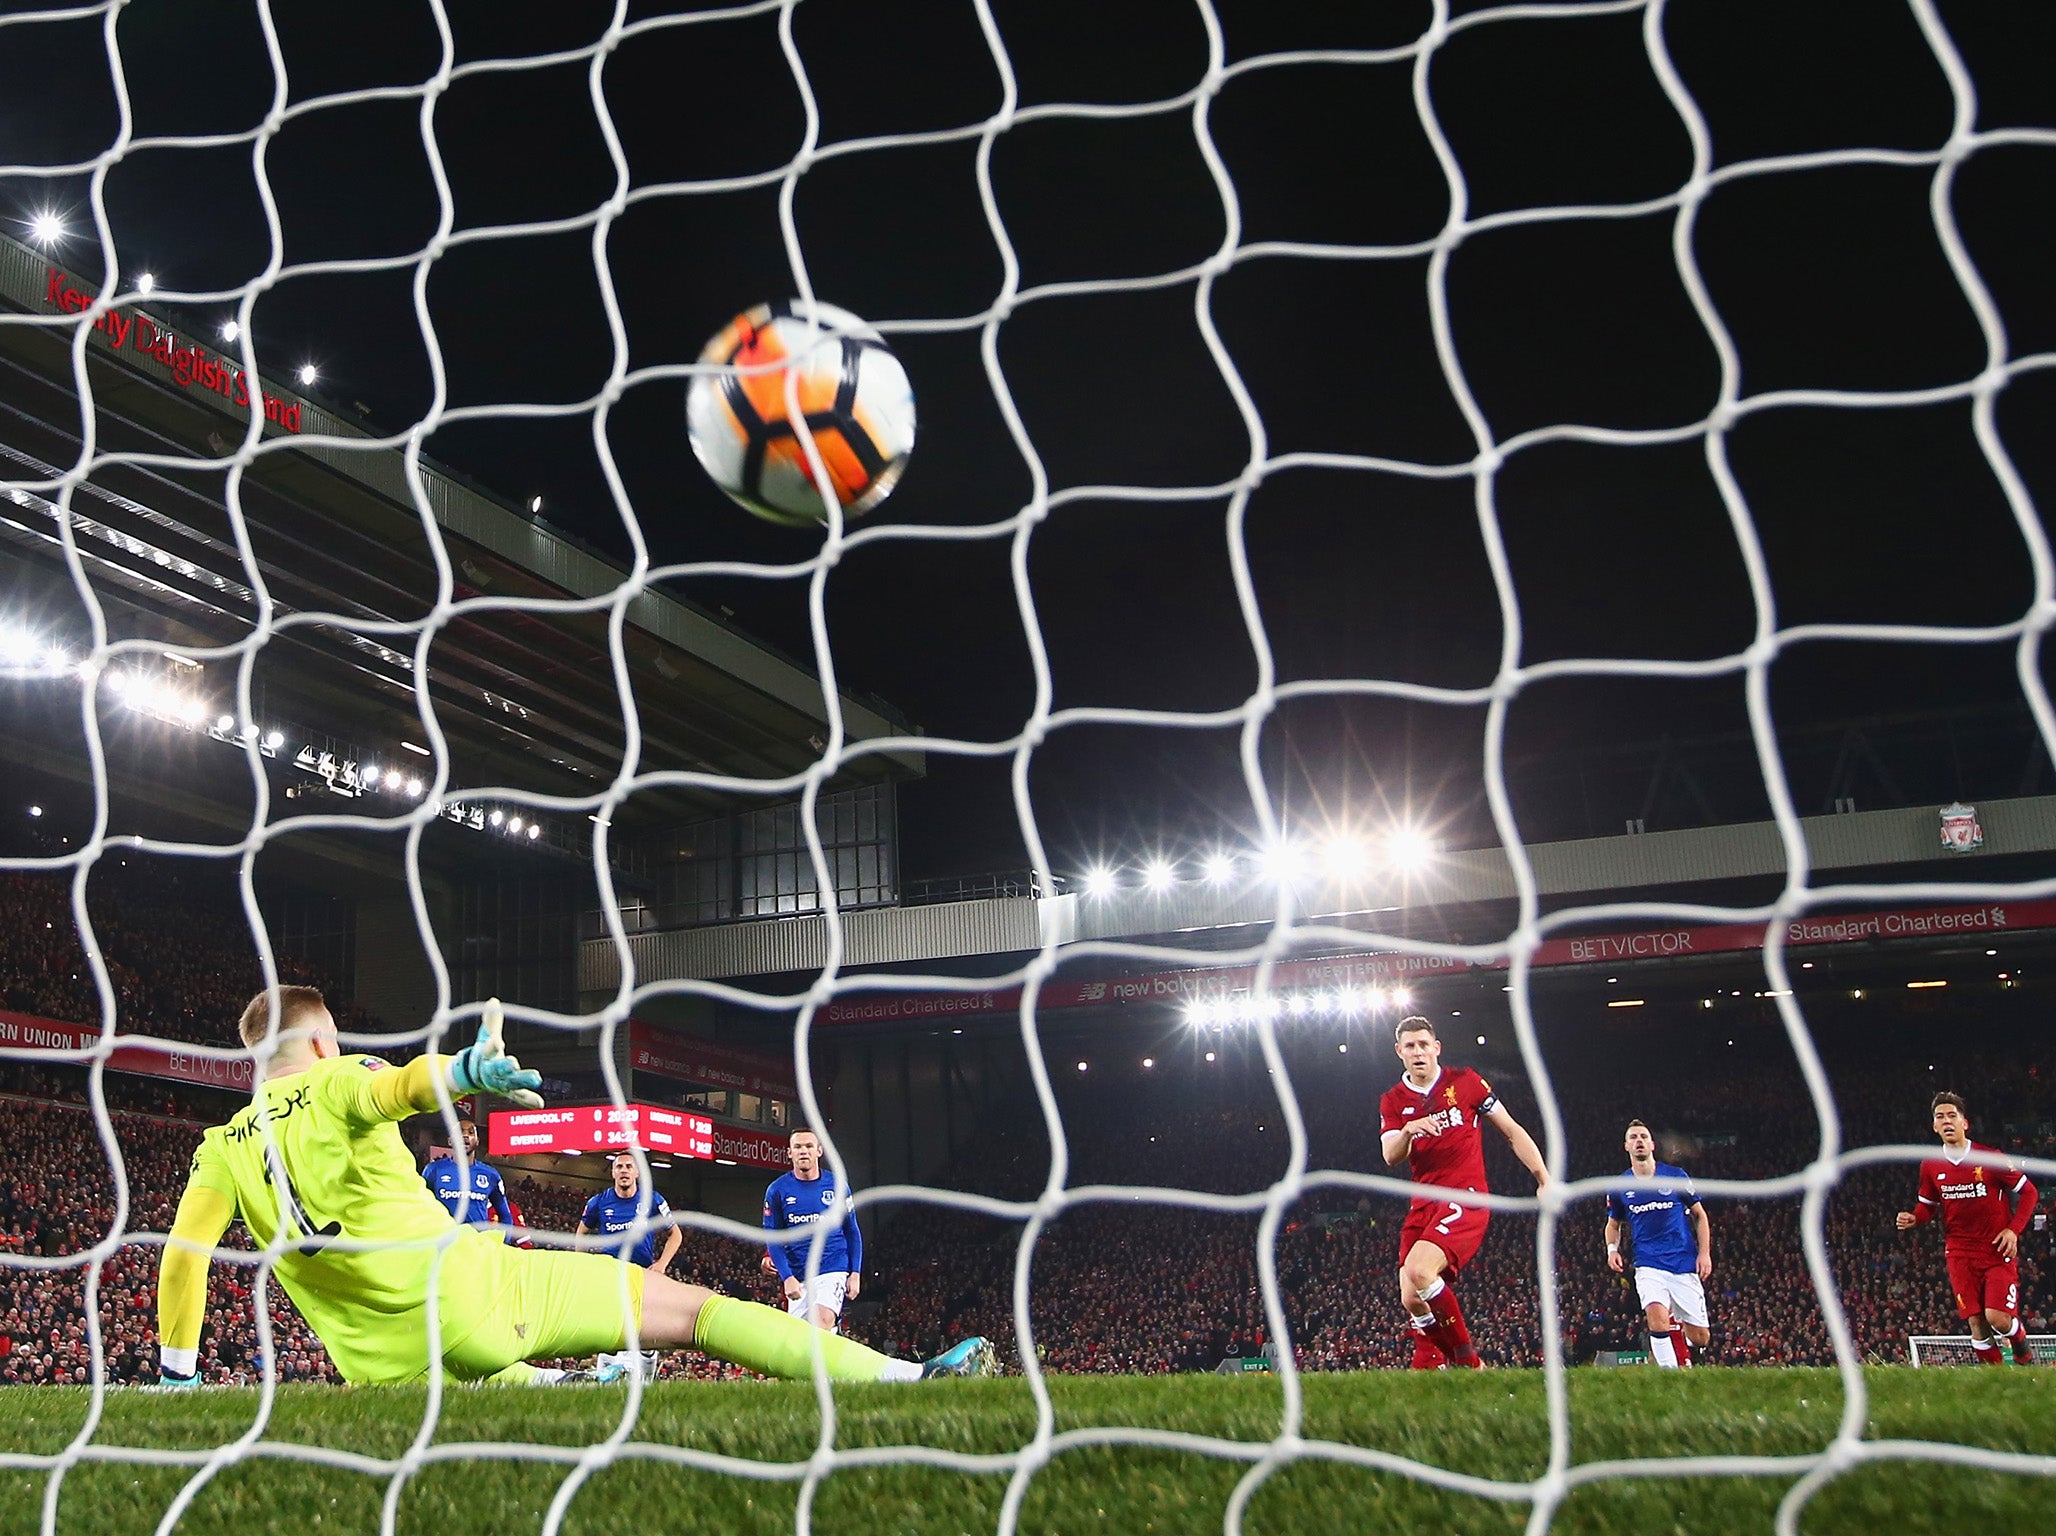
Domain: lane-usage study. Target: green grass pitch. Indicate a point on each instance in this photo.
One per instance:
(1492, 1424)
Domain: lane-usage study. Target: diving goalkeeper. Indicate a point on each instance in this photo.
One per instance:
(342, 1176)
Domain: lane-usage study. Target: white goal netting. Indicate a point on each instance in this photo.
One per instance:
(1947, 137)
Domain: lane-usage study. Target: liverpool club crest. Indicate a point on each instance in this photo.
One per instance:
(1960, 830)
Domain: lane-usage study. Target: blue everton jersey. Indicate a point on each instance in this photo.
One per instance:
(795, 1202)
(1655, 1214)
(609, 1212)
(472, 1200)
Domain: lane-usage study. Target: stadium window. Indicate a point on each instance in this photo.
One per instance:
(749, 1106)
(780, 1112)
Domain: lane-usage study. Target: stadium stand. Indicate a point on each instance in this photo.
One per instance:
(1116, 1287)
(178, 953)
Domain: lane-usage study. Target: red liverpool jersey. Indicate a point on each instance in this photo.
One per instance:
(1975, 1202)
(1457, 1100)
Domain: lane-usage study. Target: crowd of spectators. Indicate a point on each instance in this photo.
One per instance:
(58, 1205)
(180, 960)
(1130, 1285)
(1150, 1287)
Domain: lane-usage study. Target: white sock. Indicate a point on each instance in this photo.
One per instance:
(1432, 1289)
(2014, 1331)
(902, 1370)
(1977, 1343)
(1660, 1347)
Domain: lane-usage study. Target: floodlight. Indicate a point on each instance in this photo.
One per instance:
(534, 831)
(1219, 868)
(1345, 857)
(1409, 849)
(145, 282)
(46, 228)
(230, 330)
(308, 373)
(497, 817)
(394, 778)
(275, 739)
(513, 823)
(1158, 876)
(414, 788)
(1099, 882)
(1283, 862)
(1401, 998)
(224, 723)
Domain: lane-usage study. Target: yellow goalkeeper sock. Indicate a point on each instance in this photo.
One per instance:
(779, 1344)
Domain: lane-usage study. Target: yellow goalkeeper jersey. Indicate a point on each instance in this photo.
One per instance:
(343, 1175)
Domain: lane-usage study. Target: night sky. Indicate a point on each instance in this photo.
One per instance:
(1827, 278)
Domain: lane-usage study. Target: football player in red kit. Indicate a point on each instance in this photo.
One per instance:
(1984, 1207)
(1430, 1119)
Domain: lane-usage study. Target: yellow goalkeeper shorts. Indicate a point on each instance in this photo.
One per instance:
(535, 1304)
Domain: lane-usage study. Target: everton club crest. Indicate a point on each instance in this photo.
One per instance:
(1960, 831)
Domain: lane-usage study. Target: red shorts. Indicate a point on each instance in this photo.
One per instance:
(1450, 1225)
(1984, 1281)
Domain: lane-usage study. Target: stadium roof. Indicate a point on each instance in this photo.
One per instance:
(526, 699)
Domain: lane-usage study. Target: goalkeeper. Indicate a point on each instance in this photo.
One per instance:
(341, 1176)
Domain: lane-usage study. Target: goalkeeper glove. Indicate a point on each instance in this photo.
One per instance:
(485, 1064)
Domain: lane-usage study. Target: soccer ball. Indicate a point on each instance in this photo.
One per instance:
(852, 392)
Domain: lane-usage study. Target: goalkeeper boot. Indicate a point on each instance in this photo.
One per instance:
(973, 1357)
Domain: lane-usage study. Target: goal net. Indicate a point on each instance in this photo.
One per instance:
(1314, 386)
(1955, 1349)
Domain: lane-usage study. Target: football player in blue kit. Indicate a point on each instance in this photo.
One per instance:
(1673, 1249)
(473, 1194)
(804, 1198)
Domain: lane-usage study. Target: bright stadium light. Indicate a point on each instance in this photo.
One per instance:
(46, 228)
(534, 831)
(513, 823)
(275, 739)
(1158, 876)
(1409, 850)
(394, 778)
(1099, 882)
(146, 282)
(368, 776)
(308, 373)
(1401, 998)
(1345, 857)
(35, 810)
(1209, 1055)
(224, 723)
(192, 711)
(414, 788)
(1081, 1066)
(1149, 1061)
(1219, 868)
(497, 817)
(230, 330)
(1283, 862)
